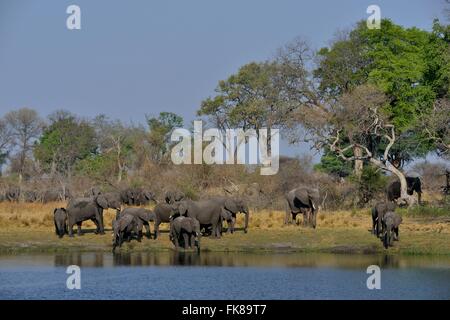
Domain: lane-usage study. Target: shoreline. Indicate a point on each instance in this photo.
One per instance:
(29, 228)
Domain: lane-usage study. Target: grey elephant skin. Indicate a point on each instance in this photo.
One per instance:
(13, 194)
(231, 206)
(54, 195)
(173, 196)
(391, 222)
(123, 228)
(144, 216)
(185, 232)
(60, 219)
(32, 196)
(163, 212)
(378, 212)
(82, 209)
(92, 192)
(414, 184)
(207, 212)
(303, 200)
(137, 196)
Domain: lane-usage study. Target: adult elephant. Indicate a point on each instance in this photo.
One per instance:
(13, 194)
(303, 200)
(173, 196)
(124, 227)
(31, 196)
(82, 209)
(232, 206)
(136, 196)
(92, 192)
(378, 212)
(206, 212)
(414, 184)
(163, 213)
(114, 200)
(144, 216)
(54, 195)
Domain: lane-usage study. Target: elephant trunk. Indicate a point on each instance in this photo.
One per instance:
(247, 213)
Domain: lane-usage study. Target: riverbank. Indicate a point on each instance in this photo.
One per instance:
(29, 228)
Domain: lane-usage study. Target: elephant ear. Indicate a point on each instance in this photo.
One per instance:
(231, 205)
(102, 202)
(302, 195)
(183, 209)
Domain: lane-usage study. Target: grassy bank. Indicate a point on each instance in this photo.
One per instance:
(29, 228)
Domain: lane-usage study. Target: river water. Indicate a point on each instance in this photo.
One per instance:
(222, 276)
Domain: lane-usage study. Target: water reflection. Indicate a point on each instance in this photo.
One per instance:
(223, 259)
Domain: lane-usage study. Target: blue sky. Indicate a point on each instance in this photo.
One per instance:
(133, 58)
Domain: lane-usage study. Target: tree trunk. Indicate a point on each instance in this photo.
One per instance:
(357, 151)
(404, 197)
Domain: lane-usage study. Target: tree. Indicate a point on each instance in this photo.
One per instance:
(361, 115)
(5, 142)
(160, 129)
(407, 64)
(65, 141)
(25, 126)
(436, 127)
(115, 140)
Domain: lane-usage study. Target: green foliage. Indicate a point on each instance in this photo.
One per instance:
(333, 165)
(371, 183)
(249, 99)
(160, 129)
(65, 141)
(96, 166)
(408, 64)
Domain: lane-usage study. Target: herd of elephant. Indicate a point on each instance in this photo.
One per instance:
(188, 219)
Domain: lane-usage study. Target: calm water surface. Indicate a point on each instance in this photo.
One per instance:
(222, 276)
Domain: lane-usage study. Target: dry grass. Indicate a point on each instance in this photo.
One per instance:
(30, 227)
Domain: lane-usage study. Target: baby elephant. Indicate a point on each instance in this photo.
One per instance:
(60, 219)
(143, 216)
(123, 227)
(185, 232)
(391, 222)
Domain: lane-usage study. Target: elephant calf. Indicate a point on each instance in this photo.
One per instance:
(185, 232)
(60, 219)
(391, 222)
(144, 216)
(123, 228)
(378, 213)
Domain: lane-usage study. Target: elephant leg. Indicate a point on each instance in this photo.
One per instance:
(176, 241)
(156, 232)
(214, 231)
(287, 215)
(97, 230)
(70, 227)
(147, 230)
(396, 237)
(314, 218)
(99, 218)
(120, 239)
(79, 228)
(419, 197)
(186, 240)
(233, 223)
(191, 241)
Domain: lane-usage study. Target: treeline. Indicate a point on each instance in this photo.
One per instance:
(372, 101)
